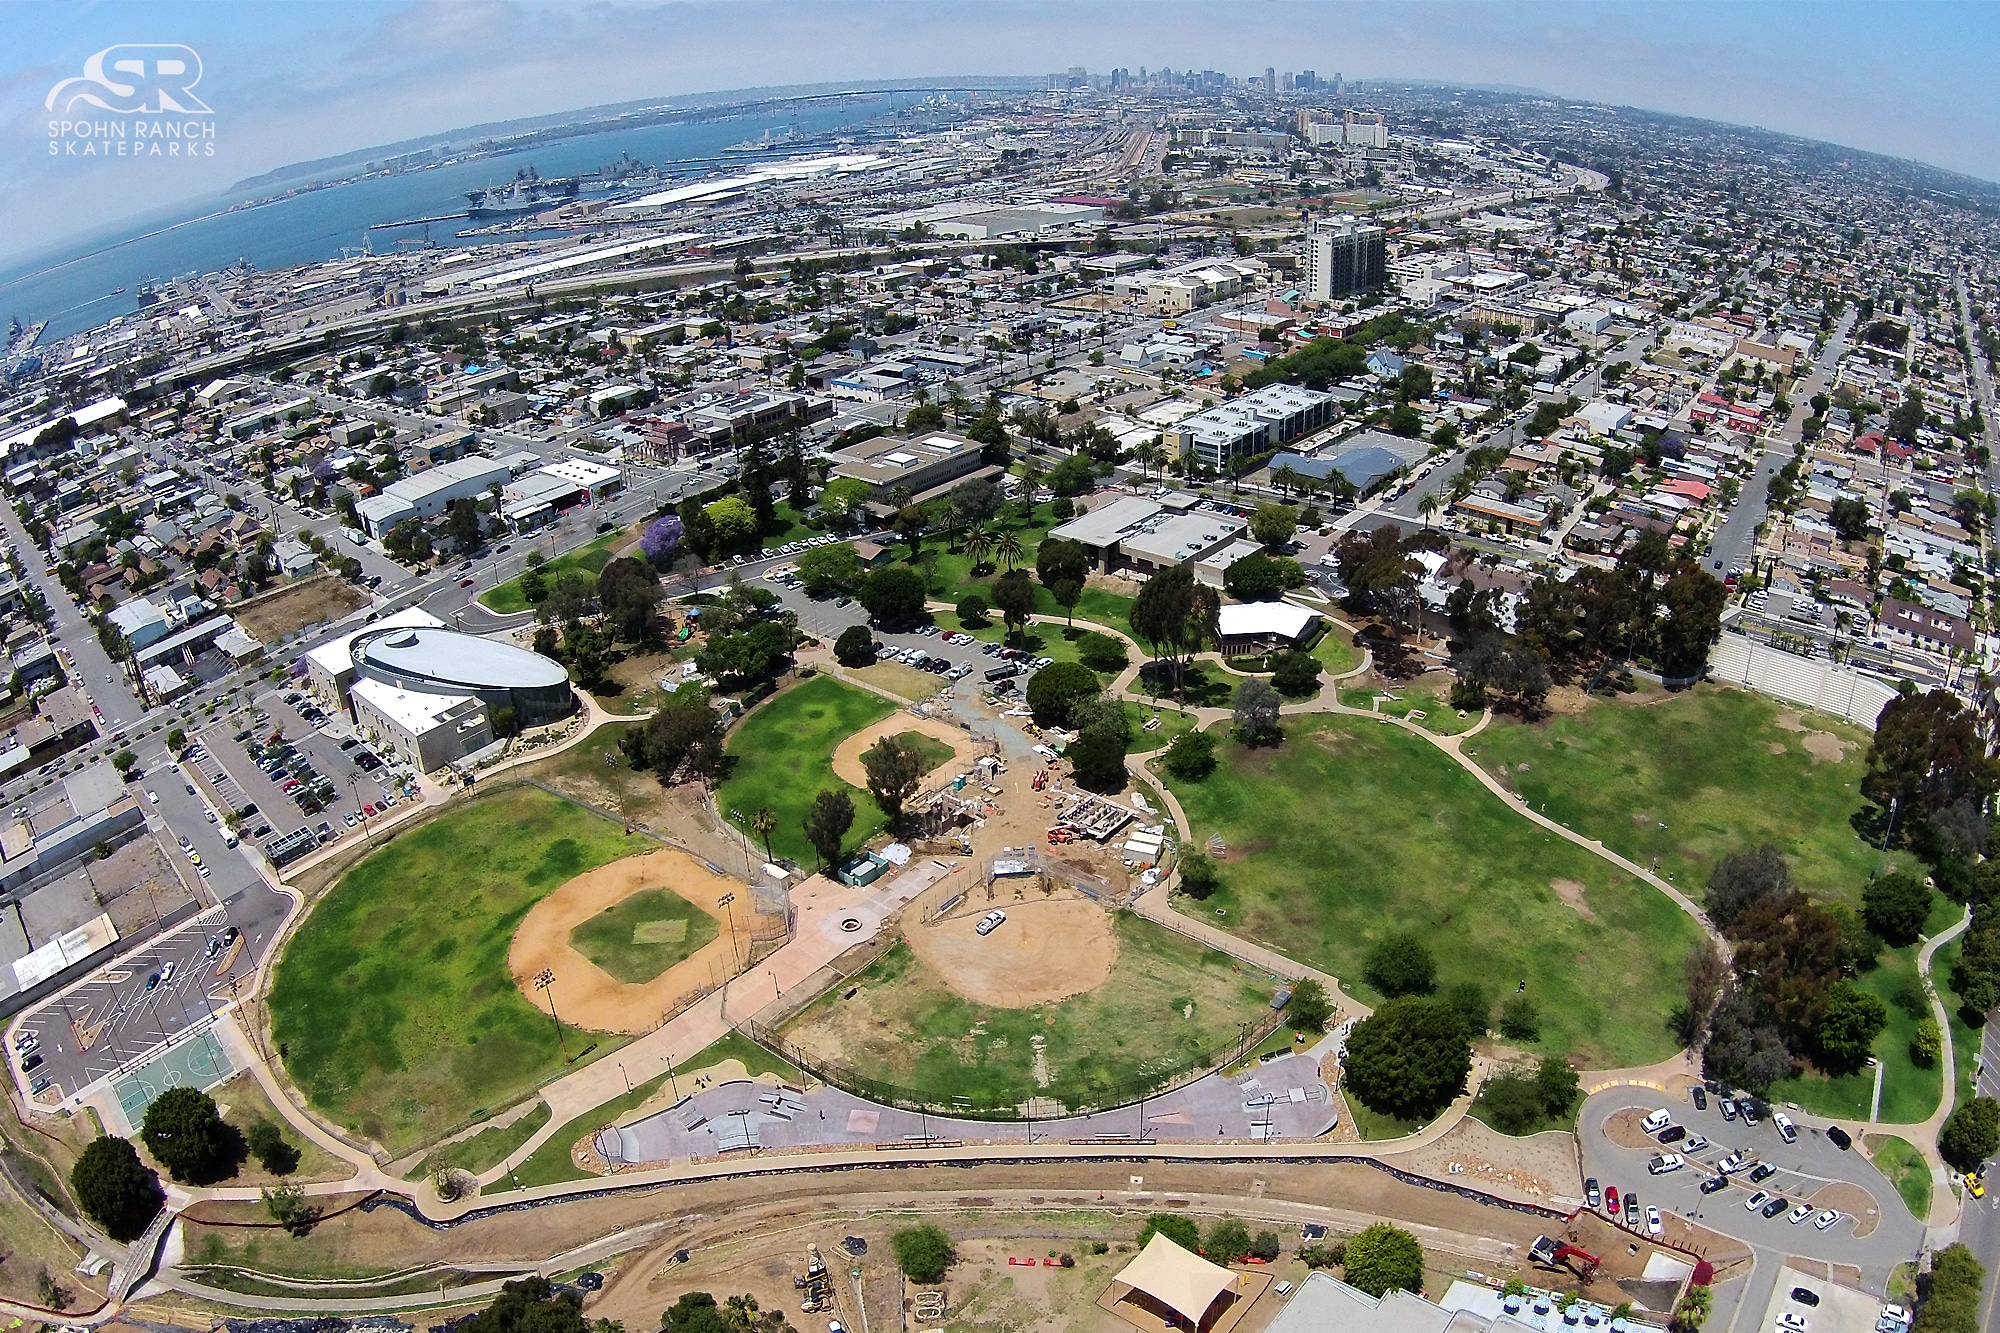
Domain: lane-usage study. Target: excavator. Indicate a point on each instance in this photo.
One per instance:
(1548, 1252)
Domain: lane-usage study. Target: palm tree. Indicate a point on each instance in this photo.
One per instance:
(764, 824)
(1427, 505)
(1008, 548)
(978, 544)
(1285, 479)
(1031, 482)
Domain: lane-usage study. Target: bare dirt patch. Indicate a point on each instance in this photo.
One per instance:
(292, 608)
(590, 997)
(847, 755)
(1046, 950)
(1539, 1169)
(1566, 701)
(1623, 1129)
(1825, 747)
(1853, 1200)
(1790, 719)
(1572, 894)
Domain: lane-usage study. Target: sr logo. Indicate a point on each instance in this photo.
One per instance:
(148, 79)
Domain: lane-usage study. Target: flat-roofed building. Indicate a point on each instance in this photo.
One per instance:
(330, 666)
(1141, 535)
(425, 495)
(1253, 424)
(923, 466)
(427, 731)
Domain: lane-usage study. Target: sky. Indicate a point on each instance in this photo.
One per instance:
(293, 80)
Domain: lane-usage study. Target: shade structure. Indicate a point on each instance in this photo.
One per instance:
(1184, 1283)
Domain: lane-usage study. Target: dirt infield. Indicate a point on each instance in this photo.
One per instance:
(1048, 949)
(588, 996)
(847, 755)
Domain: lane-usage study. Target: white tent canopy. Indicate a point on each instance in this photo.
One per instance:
(1185, 1283)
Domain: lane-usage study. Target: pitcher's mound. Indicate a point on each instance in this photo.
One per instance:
(1047, 949)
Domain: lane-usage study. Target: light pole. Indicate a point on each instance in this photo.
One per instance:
(673, 1082)
(545, 981)
(725, 902)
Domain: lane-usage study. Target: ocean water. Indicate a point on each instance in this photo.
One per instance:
(74, 290)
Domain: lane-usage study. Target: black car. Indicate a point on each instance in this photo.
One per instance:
(1714, 1183)
(1761, 1172)
(1840, 1139)
(590, 1281)
(1591, 1194)
(1631, 1206)
(1805, 1295)
(1672, 1134)
(1700, 1097)
(854, 1245)
(1776, 1206)
(1312, 1231)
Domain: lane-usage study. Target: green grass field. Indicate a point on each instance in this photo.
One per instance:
(1172, 723)
(484, 1150)
(1353, 829)
(1691, 777)
(591, 558)
(948, 575)
(1167, 1007)
(782, 756)
(393, 1002)
(643, 936)
(1899, 1160)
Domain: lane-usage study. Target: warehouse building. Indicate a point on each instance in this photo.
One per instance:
(426, 494)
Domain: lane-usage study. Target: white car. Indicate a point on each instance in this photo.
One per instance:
(1653, 1226)
(1733, 1163)
(1786, 1130)
(1656, 1122)
(1695, 1144)
(1827, 1219)
(1665, 1162)
(153, 797)
(990, 922)
(1792, 1322)
(1800, 1214)
(1757, 1200)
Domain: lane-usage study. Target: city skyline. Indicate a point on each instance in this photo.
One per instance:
(301, 82)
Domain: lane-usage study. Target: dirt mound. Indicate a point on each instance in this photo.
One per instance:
(1047, 950)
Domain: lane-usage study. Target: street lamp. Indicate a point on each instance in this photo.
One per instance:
(545, 981)
(725, 903)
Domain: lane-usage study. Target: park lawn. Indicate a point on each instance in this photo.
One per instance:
(551, 1163)
(1374, 1126)
(1690, 778)
(1335, 653)
(590, 558)
(906, 682)
(1168, 1007)
(1909, 1092)
(1438, 714)
(1172, 723)
(1354, 829)
(1203, 684)
(1899, 1160)
(393, 1000)
(1965, 1039)
(484, 1150)
(781, 757)
(643, 936)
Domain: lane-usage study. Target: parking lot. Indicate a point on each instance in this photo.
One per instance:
(300, 767)
(163, 989)
(1874, 1232)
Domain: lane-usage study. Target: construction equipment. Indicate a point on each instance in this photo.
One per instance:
(1548, 1252)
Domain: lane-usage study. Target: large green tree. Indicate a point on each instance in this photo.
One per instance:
(629, 591)
(1384, 1258)
(1409, 1058)
(186, 1135)
(1053, 692)
(115, 1188)
(894, 595)
(923, 1252)
(1928, 755)
(1971, 1134)
(1175, 617)
(1895, 907)
(894, 767)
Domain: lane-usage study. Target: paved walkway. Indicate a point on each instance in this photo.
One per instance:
(1944, 1199)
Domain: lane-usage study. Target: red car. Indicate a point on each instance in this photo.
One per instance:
(368, 810)
(465, 583)
(1611, 1200)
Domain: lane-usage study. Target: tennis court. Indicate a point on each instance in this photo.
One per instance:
(198, 1062)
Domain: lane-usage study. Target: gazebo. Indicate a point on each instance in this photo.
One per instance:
(1176, 1288)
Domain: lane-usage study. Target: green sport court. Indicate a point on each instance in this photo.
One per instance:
(198, 1062)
